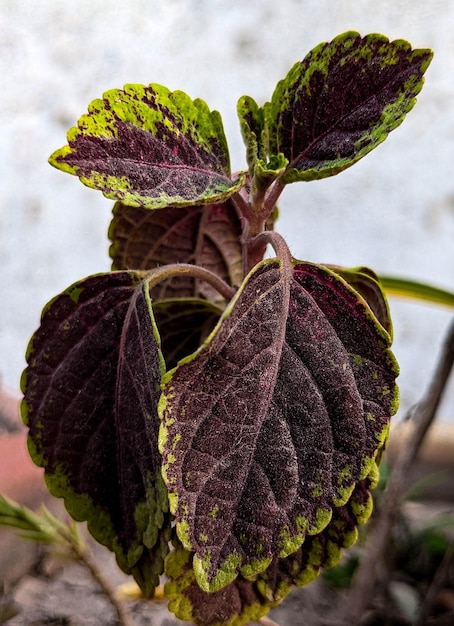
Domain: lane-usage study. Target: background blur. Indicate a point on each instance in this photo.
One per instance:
(393, 211)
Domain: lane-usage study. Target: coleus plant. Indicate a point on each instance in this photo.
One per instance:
(212, 413)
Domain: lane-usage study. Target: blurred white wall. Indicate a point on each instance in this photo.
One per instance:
(393, 211)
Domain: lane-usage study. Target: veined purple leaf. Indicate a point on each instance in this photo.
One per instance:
(208, 236)
(150, 147)
(243, 601)
(91, 390)
(321, 551)
(342, 101)
(270, 425)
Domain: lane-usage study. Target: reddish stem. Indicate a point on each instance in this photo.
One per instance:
(180, 269)
(272, 196)
(279, 246)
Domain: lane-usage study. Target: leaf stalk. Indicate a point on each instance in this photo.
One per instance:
(175, 270)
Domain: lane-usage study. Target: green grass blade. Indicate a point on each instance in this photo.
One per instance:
(405, 288)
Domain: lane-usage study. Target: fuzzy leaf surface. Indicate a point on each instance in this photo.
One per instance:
(274, 420)
(208, 236)
(322, 550)
(90, 402)
(150, 147)
(342, 101)
(245, 600)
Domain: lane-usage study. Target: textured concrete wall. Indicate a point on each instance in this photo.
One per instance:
(393, 211)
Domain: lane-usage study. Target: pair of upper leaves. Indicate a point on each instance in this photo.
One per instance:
(150, 147)
(267, 429)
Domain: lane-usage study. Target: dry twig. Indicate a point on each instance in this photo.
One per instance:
(436, 586)
(422, 416)
(84, 556)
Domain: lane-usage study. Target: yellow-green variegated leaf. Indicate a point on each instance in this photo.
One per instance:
(150, 147)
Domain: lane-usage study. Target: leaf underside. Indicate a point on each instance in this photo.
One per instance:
(90, 401)
(262, 437)
(150, 147)
(339, 103)
(207, 236)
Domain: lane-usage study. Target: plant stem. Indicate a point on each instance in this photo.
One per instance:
(273, 195)
(180, 269)
(279, 245)
(256, 224)
(422, 417)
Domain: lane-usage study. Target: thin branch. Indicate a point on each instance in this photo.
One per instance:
(422, 417)
(48, 529)
(195, 271)
(84, 556)
(274, 192)
(438, 582)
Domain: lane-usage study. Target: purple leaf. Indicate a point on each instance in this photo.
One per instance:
(90, 401)
(149, 147)
(208, 236)
(342, 101)
(322, 550)
(366, 282)
(270, 425)
(244, 600)
(238, 603)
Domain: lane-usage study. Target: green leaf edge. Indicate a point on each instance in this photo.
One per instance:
(389, 113)
(182, 607)
(87, 125)
(80, 506)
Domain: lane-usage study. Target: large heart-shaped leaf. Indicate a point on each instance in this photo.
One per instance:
(91, 390)
(150, 147)
(274, 420)
(208, 236)
(340, 102)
